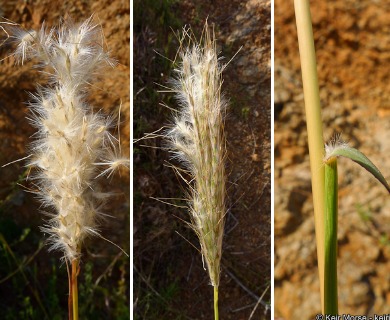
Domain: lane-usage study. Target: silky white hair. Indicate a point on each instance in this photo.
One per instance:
(196, 140)
(71, 140)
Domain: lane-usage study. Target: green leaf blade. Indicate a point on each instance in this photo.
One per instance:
(358, 157)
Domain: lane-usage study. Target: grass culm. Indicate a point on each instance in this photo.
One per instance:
(323, 163)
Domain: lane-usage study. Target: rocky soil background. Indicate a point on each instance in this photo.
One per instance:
(169, 280)
(352, 40)
(40, 276)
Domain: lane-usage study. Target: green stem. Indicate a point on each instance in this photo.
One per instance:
(330, 294)
(314, 125)
(216, 313)
(75, 302)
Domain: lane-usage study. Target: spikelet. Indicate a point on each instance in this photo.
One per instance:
(71, 140)
(196, 139)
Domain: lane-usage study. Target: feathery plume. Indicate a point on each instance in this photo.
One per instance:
(71, 140)
(196, 139)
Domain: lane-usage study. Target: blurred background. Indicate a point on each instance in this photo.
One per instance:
(169, 279)
(352, 42)
(33, 282)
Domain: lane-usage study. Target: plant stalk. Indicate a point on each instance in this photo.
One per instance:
(314, 126)
(75, 302)
(70, 298)
(216, 312)
(331, 202)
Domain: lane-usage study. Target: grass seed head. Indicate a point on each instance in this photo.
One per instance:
(71, 138)
(196, 139)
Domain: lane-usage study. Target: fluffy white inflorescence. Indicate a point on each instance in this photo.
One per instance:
(71, 139)
(196, 139)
